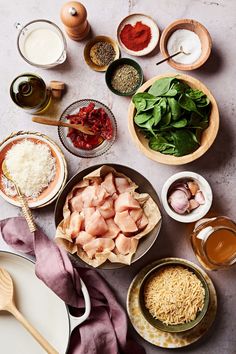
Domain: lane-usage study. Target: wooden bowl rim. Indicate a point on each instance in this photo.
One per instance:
(211, 131)
(167, 32)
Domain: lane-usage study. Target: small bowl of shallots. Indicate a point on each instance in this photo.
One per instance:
(186, 196)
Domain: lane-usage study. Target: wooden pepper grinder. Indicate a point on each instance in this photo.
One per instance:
(74, 18)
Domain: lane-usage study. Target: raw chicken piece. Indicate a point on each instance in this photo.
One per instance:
(88, 212)
(136, 214)
(113, 229)
(83, 238)
(109, 184)
(76, 203)
(125, 201)
(101, 195)
(125, 245)
(114, 196)
(75, 224)
(94, 195)
(106, 209)
(96, 225)
(125, 222)
(122, 184)
(98, 245)
(143, 222)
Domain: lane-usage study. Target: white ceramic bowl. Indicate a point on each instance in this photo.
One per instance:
(195, 214)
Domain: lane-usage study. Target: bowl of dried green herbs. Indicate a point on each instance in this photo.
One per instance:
(124, 76)
(173, 119)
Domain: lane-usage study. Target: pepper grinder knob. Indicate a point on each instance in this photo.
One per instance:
(74, 18)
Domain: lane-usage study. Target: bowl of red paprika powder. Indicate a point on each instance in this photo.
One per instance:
(138, 34)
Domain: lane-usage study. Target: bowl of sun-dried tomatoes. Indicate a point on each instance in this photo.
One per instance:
(94, 117)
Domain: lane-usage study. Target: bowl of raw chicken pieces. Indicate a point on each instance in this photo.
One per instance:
(107, 216)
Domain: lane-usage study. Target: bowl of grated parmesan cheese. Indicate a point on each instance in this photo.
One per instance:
(36, 164)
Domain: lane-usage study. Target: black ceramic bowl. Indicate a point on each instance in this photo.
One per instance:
(144, 187)
(114, 65)
(157, 323)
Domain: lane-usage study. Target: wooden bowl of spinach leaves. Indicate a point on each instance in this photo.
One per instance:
(173, 119)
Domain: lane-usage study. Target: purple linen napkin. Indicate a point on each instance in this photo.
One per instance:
(105, 331)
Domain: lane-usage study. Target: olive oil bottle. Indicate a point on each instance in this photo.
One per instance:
(30, 92)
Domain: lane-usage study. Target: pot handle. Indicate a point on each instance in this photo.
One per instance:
(75, 321)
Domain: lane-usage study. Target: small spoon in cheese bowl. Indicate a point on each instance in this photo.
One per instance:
(22, 199)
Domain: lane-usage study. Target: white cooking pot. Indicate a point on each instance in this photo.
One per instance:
(40, 305)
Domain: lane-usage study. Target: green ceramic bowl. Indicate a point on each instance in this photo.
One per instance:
(157, 323)
(114, 65)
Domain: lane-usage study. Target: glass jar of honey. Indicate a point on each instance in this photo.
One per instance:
(214, 242)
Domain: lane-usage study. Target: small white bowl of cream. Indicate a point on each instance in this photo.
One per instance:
(190, 36)
(41, 43)
(186, 196)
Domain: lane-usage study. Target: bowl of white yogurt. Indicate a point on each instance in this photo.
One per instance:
(41, 43)
(190, 36)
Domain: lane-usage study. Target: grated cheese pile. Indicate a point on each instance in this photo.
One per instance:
(174, 295)
(32, 166)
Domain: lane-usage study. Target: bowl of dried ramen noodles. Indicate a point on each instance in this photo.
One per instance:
(174, 296)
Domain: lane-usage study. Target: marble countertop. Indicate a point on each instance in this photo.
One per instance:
(217, 165)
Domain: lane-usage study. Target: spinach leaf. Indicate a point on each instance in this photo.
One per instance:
(150, 103)
(163, 105)
(141, 118)
(166, 119)
(180, 123)
(158, 143)
(139, 100)
(140, 103)
(179, 86)
(203, 102)
(185, 142)
(174, 107)
(196, 121)
(170, 151)
(161, 86)
(157, 114)
(148, 125)
(171, 92)
(194, 94)
(188, 104)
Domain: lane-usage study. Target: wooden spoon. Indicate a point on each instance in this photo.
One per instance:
(22, 199)
(7, 304)
(58, 123)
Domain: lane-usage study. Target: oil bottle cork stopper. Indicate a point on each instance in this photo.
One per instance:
(57, 88)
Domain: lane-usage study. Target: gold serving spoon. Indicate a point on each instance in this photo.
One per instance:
(7, 303)
(22, 199)
(181, 51)
(82, 128)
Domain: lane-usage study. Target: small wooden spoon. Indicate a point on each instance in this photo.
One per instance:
(22, 199)
(58, 123)
(7, 304)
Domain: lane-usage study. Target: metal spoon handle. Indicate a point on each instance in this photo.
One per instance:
(26, 210)
(32, 330)
(169, 57)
